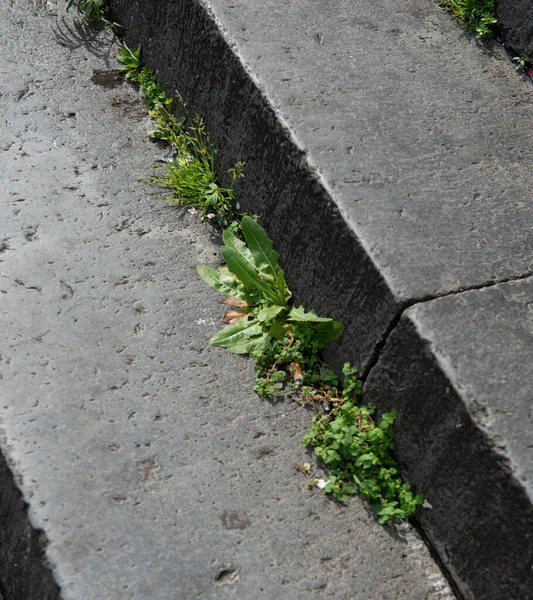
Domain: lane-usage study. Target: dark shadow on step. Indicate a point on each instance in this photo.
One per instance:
(24, 574)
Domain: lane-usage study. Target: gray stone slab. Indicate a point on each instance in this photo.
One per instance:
(149, 465)
(515, 22)
(379, 131)
(464, 430)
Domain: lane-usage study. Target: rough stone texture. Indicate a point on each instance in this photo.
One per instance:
(145, 458)
(464, 430)
(515, 21)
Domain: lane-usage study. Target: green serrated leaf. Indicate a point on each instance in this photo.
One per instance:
(242, 337)
(299, 314)
(233, 242)
(269, 313)
(244, 269)
(223, 282)
(260, 245)
(325, 329)
(278, 329)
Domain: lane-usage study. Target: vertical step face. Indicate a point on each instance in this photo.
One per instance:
(152, 468)
(515, 21)
(24, 574)
(386, 153)
(464, 430)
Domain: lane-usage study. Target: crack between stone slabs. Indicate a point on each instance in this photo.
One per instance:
(415, 523)
(376, 354)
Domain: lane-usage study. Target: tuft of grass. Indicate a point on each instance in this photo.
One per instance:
(478, 16)
(191, 176)
(96, 11)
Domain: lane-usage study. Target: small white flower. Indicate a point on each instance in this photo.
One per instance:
(211, 216)
(321, 484)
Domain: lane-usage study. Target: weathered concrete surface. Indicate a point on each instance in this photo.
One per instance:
(515, 21)
(152, 469)
(389, 156)
(464, 430)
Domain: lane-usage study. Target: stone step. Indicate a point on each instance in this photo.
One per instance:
(141, 464)
(388, 155)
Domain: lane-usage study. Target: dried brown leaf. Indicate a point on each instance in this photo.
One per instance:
(234, 302)
(297, 374)
(232, 316)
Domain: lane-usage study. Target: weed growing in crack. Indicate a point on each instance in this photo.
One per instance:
(261, 321)
(152, 91)
(192, 179)
(522, 63)
(191, 176)
(130, 62)
(358, 452)
(286, 343)
(478, 16)
(96, 11)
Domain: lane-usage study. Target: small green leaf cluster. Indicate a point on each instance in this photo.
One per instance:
(191, 176)
(358, 453)
(153, 92)
(253, 277)
(522, 63)
(478, 16)
(300, 345)
(96, 11)
(130, 62)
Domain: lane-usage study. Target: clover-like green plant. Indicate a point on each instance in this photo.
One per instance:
(358, 451)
